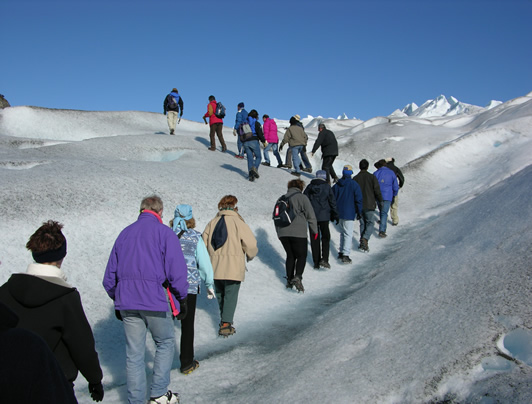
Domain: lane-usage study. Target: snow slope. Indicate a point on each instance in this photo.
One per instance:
(440, 311)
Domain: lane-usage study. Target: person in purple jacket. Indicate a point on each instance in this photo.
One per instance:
(145, 272)
(389, 188)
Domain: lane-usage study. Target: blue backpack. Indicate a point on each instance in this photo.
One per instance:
(220, 110)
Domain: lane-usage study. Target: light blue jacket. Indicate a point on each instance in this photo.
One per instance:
(198, 261)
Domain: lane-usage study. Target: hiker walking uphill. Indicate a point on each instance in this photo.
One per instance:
(296, 138)
(146, 276)
(349, 202)
(293, 237)
(216, 124)
(51, 308)
(390, 163)
(173, 104)
(329, 151)
(371, 194)
(389, 188)
(251, 145)
(199, 269)
(272, 139)
(304, 157)
(241, 117)
(321, 197)
(230, 243)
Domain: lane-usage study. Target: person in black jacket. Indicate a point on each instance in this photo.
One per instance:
(29, 371)
(329, 151)
(48, 306)
(390, 163)
(321, 197)
(173, 103)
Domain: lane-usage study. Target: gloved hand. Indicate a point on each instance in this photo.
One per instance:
(358, 216)
(181, 114)
(316, 236)
(96, 390)
(210, 294)
(265, 143)
(281, 147)
(182, 309)
(235, 133)
(204, 120)
(164, 112)
(118, 315)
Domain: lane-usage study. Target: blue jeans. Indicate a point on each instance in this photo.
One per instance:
(252, 149)
(346, 235)
(296, 161)
(239, 146)
(272, 146)
(367, 223)
(384, 207)
(161, 326)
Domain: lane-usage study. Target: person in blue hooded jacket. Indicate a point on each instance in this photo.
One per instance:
(389, 188)
(241, 117)
(349, 203)
(199, 269)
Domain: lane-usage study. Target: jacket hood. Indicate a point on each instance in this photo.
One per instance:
(342, 182)
(35, 291)
(316, 185)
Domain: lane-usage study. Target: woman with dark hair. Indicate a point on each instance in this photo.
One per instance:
(230, 243)
(47, 305)
(294, 236)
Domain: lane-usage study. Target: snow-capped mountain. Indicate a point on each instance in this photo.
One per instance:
(443, 106)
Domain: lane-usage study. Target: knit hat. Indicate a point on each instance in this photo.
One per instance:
(240, 105)
(348, 171)
(297, 117)
(50, 255)
(181, 214)
(321, 174)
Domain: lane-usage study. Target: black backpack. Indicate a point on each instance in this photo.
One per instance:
(172, 102)
(283, 212)
(220, 110)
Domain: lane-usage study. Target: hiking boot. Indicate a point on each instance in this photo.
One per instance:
(346, 259)
(382, 234)
(297, 283)
(307, 170)
(287, 166)
(289, 284)
(212, 148)
(224, 149)
(280, 165)
(324, 264)
(340, 255)
(316, 266)
(251, 176)
(295, 173)
(189, 369)
(171, 131)
(255, 172)
(168, 398)
(363, 245)
(226, 329)
(395, 224)
(267, 164)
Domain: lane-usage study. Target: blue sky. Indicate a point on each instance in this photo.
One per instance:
(362, 58)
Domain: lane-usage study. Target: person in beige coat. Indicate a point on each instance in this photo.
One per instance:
(230, 243)
(297, 139)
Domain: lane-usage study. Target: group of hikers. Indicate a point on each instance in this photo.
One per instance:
(155, 271)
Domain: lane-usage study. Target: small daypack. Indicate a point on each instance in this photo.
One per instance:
(283, 212)
(172, 102)
(220, 110)
(244, 131)
(219, 234)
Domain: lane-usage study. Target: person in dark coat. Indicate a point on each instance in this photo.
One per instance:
(349, 202)
(48, 306)
(173, 103)
(29, 371)
(321, 197)
(390, 163)
(329, 151)
(371, 194)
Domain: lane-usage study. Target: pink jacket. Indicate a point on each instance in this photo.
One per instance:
(211, 108)
(270, 131)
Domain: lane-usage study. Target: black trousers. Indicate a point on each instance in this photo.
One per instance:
(324, 238)
(186, 353)
(296, 256)
(327, 165)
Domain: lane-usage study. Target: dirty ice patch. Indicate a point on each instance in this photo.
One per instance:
(20, 165)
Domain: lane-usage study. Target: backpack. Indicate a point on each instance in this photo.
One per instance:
(283, 212)
(172, 102)
(219, 234)
(244, 131)
(220, 110)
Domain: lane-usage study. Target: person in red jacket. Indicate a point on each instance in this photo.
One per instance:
(215, 123)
